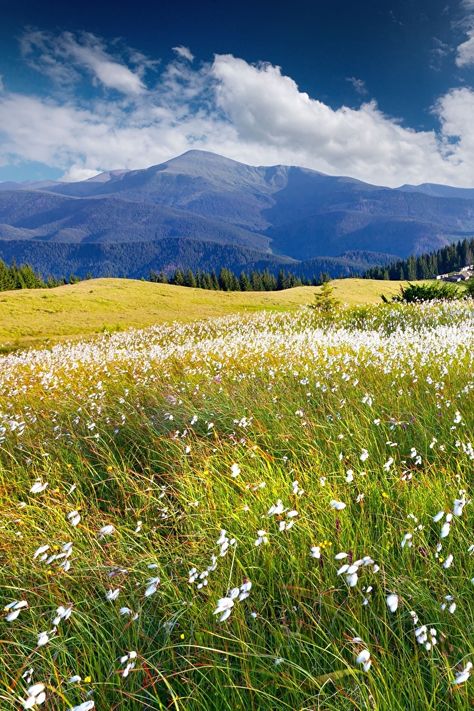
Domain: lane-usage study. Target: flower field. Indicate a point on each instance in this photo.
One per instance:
(253, 512)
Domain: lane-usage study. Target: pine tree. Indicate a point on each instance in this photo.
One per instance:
(178, 278)
(189, 279)
(326, 305)
(245, 284)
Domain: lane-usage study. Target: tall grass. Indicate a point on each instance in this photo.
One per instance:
(194, 430)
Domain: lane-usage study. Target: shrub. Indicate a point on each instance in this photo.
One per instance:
(427, 291)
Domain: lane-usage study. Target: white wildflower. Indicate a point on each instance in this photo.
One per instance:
(128, 661)
(447, 563)
(62, 613)
(85, 706)
(13, 609)
(106, 531)
(152, 586)
(112, 594)
(262, 537)
(44, 638)
(36, 696)
(39, 552)
(74, 518)
(363, 659)
(392, 602)
(38, 487)
(463, 675)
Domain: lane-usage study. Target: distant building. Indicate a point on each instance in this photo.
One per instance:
(463, 274)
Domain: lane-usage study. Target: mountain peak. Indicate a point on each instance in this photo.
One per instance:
(202, 155)
(197, 161)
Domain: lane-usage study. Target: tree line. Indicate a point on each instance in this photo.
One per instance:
(447, 259)
(227, 280)
(23, 276)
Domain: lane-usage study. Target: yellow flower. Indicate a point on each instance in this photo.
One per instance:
(181, 636)
(87, 679)
(385, 495)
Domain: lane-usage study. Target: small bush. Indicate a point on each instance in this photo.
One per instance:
(428, 291)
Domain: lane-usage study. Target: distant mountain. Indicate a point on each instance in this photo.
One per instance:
(281, 214)
(45, 216)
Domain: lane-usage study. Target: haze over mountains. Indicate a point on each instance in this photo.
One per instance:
(201, 210)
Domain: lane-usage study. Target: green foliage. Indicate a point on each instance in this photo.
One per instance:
(23, 276)
(326, 305)
(429, 291)
(227, 280)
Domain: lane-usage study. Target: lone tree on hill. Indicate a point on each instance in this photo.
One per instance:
(325, 303)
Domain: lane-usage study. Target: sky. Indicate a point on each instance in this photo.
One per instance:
(380, 91)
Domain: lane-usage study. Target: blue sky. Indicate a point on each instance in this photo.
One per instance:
(381, 91)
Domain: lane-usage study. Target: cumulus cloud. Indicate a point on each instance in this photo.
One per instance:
(267, 109)
(252, 113)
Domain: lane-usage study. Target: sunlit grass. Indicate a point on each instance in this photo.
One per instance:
(142, 431)
(38, 316)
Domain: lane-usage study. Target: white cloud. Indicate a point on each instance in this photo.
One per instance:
(184, 53)
(76, 173)
(358, 84)
(456, 111)
(269, 112)
(465, 51)
(252, 113)
(62, 56)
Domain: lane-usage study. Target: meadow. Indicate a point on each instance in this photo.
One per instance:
(259, 511)
(32, 317)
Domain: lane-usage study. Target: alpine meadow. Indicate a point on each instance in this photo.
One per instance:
(266, 511)
(237, 356)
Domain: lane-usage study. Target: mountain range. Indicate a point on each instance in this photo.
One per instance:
(201, 210)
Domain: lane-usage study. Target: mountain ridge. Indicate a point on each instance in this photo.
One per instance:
(279, 211)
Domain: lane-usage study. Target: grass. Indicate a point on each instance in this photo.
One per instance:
(38, 316)
(375, 411)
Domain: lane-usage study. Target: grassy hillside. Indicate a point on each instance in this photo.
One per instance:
(33, 316)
